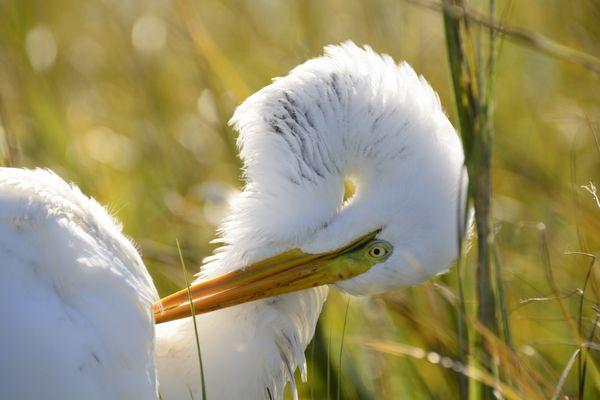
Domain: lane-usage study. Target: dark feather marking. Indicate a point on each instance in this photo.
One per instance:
(375, 145)
(314, 159)
(335, 84)
(290, 106)
(302, 120)
(325, 161)
(298, 128)
(306, 154)
(377, 121)
(308, 118)
(290, 111)
(398, 154)
(279, 131)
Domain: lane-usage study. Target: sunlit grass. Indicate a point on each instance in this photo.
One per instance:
(162, 107)
(194, 319)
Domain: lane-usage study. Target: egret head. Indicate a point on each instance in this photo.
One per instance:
(348, 115)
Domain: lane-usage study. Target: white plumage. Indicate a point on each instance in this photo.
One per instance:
(350, 114)
(75, 297)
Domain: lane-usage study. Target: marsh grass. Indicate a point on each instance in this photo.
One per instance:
(197, 336)
(472, 77)
(339, 377)
(165, 114)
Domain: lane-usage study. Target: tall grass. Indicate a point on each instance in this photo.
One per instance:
(472, 77)
(193, 313)
(146, 133)
(472, 62)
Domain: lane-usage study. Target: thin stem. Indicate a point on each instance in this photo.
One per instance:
(533, 40)
(187, 285)
(339, 386)
(312, 367)
(470, 76)
(329, 364)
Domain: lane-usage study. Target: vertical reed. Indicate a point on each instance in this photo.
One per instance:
(472, 77)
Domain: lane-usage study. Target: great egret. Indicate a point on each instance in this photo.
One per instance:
(76, 299)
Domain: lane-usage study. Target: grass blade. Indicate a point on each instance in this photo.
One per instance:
(187, 285)
(339, 386)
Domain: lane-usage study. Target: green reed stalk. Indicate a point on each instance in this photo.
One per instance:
(189, 293)
(472, 82)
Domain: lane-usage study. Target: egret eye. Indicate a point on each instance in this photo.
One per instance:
(379, 249)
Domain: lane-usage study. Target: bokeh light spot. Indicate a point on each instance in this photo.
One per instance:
(149, 34)
(41, 48)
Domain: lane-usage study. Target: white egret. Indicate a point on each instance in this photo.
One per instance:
(77, 300)
(75, 297)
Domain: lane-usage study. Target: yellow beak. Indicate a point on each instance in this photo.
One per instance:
(287, 272)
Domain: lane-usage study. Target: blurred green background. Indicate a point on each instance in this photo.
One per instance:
(130, 100)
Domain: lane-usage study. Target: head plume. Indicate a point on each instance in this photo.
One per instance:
(350, 114)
